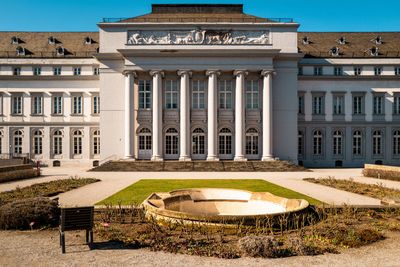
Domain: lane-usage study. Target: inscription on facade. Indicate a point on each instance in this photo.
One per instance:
(198, 37)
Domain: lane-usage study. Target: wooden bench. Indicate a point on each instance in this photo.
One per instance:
(80, 218)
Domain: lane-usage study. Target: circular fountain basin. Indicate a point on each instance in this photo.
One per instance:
(219, 205)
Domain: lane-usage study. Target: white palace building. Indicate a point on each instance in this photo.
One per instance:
(201, 82)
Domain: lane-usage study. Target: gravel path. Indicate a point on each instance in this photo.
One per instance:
(34, 248)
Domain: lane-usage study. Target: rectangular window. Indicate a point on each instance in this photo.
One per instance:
(396, 105)
(37, 108)
(17, 71)
(338, 71)
(318, 71)
(357, 104)
(357, 71)
(37, 71)
(357, 143)
(57, 105)
(198, 95)
(57, 71)
(300, 71)
(77, 145)
(77, 105)
(317, 105)
(338, 105)
(96, 145)
(77, 71)
(17, 105)
(300, 143)
(171, 95)
(144, 94)
(95, 71)
(225, 95)
(57, 145)
(301, 105)
(252, 94)
(378, 71)
(96, 104)
(378, 102)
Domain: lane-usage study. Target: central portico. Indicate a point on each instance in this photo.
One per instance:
(198, 82)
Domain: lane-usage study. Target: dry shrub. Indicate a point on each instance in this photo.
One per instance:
(19, 214)
(18, 175)
(383, 174)
(259, 246)
(297, 246)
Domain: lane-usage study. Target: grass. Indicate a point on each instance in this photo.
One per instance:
(47, 189)
(139, 191)
(370, 190)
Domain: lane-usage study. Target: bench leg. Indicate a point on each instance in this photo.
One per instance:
(91, 240)
(87, 236)
(62, 241)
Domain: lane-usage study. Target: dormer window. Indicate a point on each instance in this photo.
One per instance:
(14, 40)
(60, 51)
(52, 40)
(20, 51)
(374, 51)
(88, 40)
(378, 40)
(334, 51)
(342, 40)
(306, 40)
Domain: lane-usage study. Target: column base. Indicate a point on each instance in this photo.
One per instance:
(240, 158)
(185, 158)
(267, 158)
(157, 158)
(129, 158)
(212, 158)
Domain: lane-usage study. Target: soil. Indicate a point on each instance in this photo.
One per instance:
(41, 248)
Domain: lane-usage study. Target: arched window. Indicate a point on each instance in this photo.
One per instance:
(300, 143)
(96, 142)
(77, 142)
(252, 141)
(57, 142)
(357, 142)
(377, 142)
(1, 142)
(337, 143)
(225, 141)
(17, 142)
(198, 141)
(37, 142)
(171, 142)
(145, 139)
(396, 142)
(317, 143)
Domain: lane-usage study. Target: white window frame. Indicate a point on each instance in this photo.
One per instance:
(378, 105)
(77, 104)
(37, 71)
(357, 143)
(77, 71)
(17, 71)
(95, 104)
(252, 141)
(57, 142)
(318, 105)
(225, 95)
(145, 94)
(57, 71)
(377, 144)
(225, 140)
(145, 140)
(358, 104)
(337, 143)
(198, 94)
(57, 104)
(77, 138)
(96, 71)
(396, 143)
(252, 94)
(17, 104)
(171, 95)
(300, 103)
(37, 104)
(378, 71)
(17, 142)
(96, 142)
(317, 143)
(198, 141)
(357, 71)
(338, 105)
(171, 141)
(396, 105)
(318, 71)
(338, 71)
(37, 148)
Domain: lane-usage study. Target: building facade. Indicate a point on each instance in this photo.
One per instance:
(201, 82)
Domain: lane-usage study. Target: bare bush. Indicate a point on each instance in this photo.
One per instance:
(20, 214)
(259, 246)
(297, 245)
(18, 175)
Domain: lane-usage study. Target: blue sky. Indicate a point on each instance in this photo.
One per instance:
(83, 15)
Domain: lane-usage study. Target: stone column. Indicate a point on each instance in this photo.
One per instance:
(129, 151)
(157, 115)
(239, 114)
(212, 115)
(184, 115)
(267, 116)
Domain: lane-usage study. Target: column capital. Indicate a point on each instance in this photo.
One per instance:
(210, 72)
(268, 72)
(182, 72)
(129, 72)
(154, 72)
(238, 72)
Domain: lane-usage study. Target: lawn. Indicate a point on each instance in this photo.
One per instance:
(139, 191)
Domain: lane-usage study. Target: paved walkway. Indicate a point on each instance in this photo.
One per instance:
(112, 182)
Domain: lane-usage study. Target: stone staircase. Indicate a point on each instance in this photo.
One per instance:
(199, 166)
